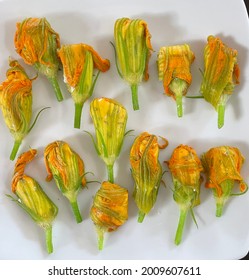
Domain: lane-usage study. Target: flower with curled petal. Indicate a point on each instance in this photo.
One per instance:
(220, 76)
(67, 168)
(32, 198)
(174, 70)
(133, 49)
(37, 43)
(109, 210)
(79, 62)
(185, 167)
(146, 171)
(223, 166)
(16, 103)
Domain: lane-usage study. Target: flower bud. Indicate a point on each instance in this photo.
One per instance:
(146, 171)
(185, 167)
(109, 210)
(133, 48)
(109, 119)
(220, 76)
(32, 198)
(79, 61)
(223, 165)
(16, 103)
(174, 70)
(67, 169)
(37, 43)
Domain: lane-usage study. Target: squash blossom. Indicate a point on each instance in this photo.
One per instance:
(133, 49)
(109, 119)
(174, 70)
(185, 167)
(146, 171)
(220, 76)
(16, 103)
(79, 62)
(37, 43)
(31, 197)
(222, 166)
(109, 210)
(67, 169)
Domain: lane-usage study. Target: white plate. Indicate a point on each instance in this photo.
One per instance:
(170, 22)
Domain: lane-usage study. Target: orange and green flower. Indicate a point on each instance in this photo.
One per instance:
(79, 62)
(16, 103)
(222, 166)
(185, 167)
(67, 169)
(146, 171)
(37, 43)
(109, 119)
(220, 76)
(31, 197)
(109, 210)
(174, 70)
(133, 51)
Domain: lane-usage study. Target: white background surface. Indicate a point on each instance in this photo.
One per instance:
(170, 22)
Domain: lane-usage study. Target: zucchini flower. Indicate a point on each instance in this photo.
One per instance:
(185, 167)
(174, 70)
(220, 76)
(78, 62)
(146, 171)
(133, 49)
(67, 169)
(32, 199)
(109, 119)
(109, 210)
(222, 166)
(16, 103)
(37, 43)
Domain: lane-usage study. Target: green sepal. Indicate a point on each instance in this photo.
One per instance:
(31, 213)
(36, 118)
(116, 61)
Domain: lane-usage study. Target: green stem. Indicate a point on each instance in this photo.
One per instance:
(179, 105)
(221, 115)
(178, 87)
(77, 114)
(181, 223)
(15, 149)
(56, 87)
(100, 233)
(110, 173)
(135, 104)
(219, 209)
(76, 211)
(49, 244)
(141, 216)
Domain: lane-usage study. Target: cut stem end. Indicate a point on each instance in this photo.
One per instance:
(49, 244)
(219, 209)
(100, 233)
(141, 216)
(221, 115)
